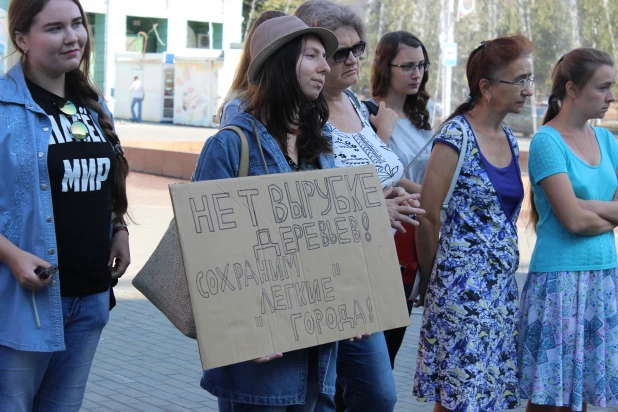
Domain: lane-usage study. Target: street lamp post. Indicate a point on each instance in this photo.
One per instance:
(449, 56)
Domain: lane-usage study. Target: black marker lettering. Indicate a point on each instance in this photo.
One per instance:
(327, 289)
(294, 317)
(341, 230)
(248, 195)
(280, 211)
(198, 214)
(352, 189)
(342, 203)
(221, 213)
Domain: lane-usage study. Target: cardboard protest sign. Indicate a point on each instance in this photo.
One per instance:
(286, 261)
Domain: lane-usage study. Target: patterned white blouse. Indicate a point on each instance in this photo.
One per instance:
(364, 148)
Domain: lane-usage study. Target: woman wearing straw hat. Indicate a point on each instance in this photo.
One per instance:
(284, 94)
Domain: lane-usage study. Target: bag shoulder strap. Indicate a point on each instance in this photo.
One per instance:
(460, 161)
(371, 106)
(352, 96)
(243, 168)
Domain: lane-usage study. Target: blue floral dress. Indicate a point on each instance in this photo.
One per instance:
(467, 358)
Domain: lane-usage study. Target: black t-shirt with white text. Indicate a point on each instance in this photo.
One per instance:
(80, 172)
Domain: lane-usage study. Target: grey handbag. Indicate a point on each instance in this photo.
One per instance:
(163, 281)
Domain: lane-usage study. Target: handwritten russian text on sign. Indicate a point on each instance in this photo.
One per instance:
(282, 262)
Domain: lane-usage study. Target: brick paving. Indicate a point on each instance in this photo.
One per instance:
(144, 364)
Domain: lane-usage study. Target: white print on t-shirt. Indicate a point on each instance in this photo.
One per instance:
(62, 133)
(85, 175)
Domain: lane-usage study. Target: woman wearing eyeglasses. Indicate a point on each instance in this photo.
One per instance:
(467, 357)
(363, 368)
(399, 75)
(63, 203)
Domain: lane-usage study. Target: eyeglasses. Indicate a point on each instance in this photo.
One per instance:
(410, 68)
(342, 55)
(521, 84)
(78, 129)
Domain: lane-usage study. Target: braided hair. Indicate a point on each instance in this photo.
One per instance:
(21, 14)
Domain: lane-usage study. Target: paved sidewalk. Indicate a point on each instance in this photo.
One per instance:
(161, 132)
(144, 364)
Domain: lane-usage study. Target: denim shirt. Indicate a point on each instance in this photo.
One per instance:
(27, 218)
(282, 381)
(230, 109)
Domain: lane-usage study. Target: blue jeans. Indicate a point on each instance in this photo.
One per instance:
(364, 372)
(312, 398)
(137, 101)
(55, 381)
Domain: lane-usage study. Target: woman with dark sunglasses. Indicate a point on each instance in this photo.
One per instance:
(399, 75)
(63, 205)
(363, 368)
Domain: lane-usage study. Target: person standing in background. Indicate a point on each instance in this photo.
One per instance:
(137, 92)
(399, 75)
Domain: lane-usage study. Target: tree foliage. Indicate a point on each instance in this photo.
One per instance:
(555, 27)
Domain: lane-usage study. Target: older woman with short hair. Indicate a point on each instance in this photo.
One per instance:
(363, 368)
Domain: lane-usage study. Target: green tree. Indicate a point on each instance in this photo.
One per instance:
(555, 27)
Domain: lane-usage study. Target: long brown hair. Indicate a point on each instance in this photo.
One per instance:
(240, 83)
(415, 106)
(21, 14)
(487, 61)
(577, 66)
(277, 100)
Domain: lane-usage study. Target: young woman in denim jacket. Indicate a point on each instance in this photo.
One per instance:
(283, 122)
(54, 125)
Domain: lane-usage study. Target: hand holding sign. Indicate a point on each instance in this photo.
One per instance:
(268, 358)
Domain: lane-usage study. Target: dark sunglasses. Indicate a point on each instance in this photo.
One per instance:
(342, 55)
(78, 129)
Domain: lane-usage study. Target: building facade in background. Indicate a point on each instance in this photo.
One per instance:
(184, 51)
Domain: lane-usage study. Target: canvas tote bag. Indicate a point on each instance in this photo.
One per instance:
(163, 281)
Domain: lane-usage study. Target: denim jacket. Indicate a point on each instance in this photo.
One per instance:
(31, 321)
(230, 109)
(282, 381)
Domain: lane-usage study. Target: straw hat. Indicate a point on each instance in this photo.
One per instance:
(271, 35)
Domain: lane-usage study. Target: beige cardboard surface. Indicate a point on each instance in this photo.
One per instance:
(281, 262)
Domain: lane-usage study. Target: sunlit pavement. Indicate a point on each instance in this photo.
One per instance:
(144, 364)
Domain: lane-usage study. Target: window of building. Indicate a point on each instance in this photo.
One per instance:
(204, 35)
(97, 61)
(146, 35)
